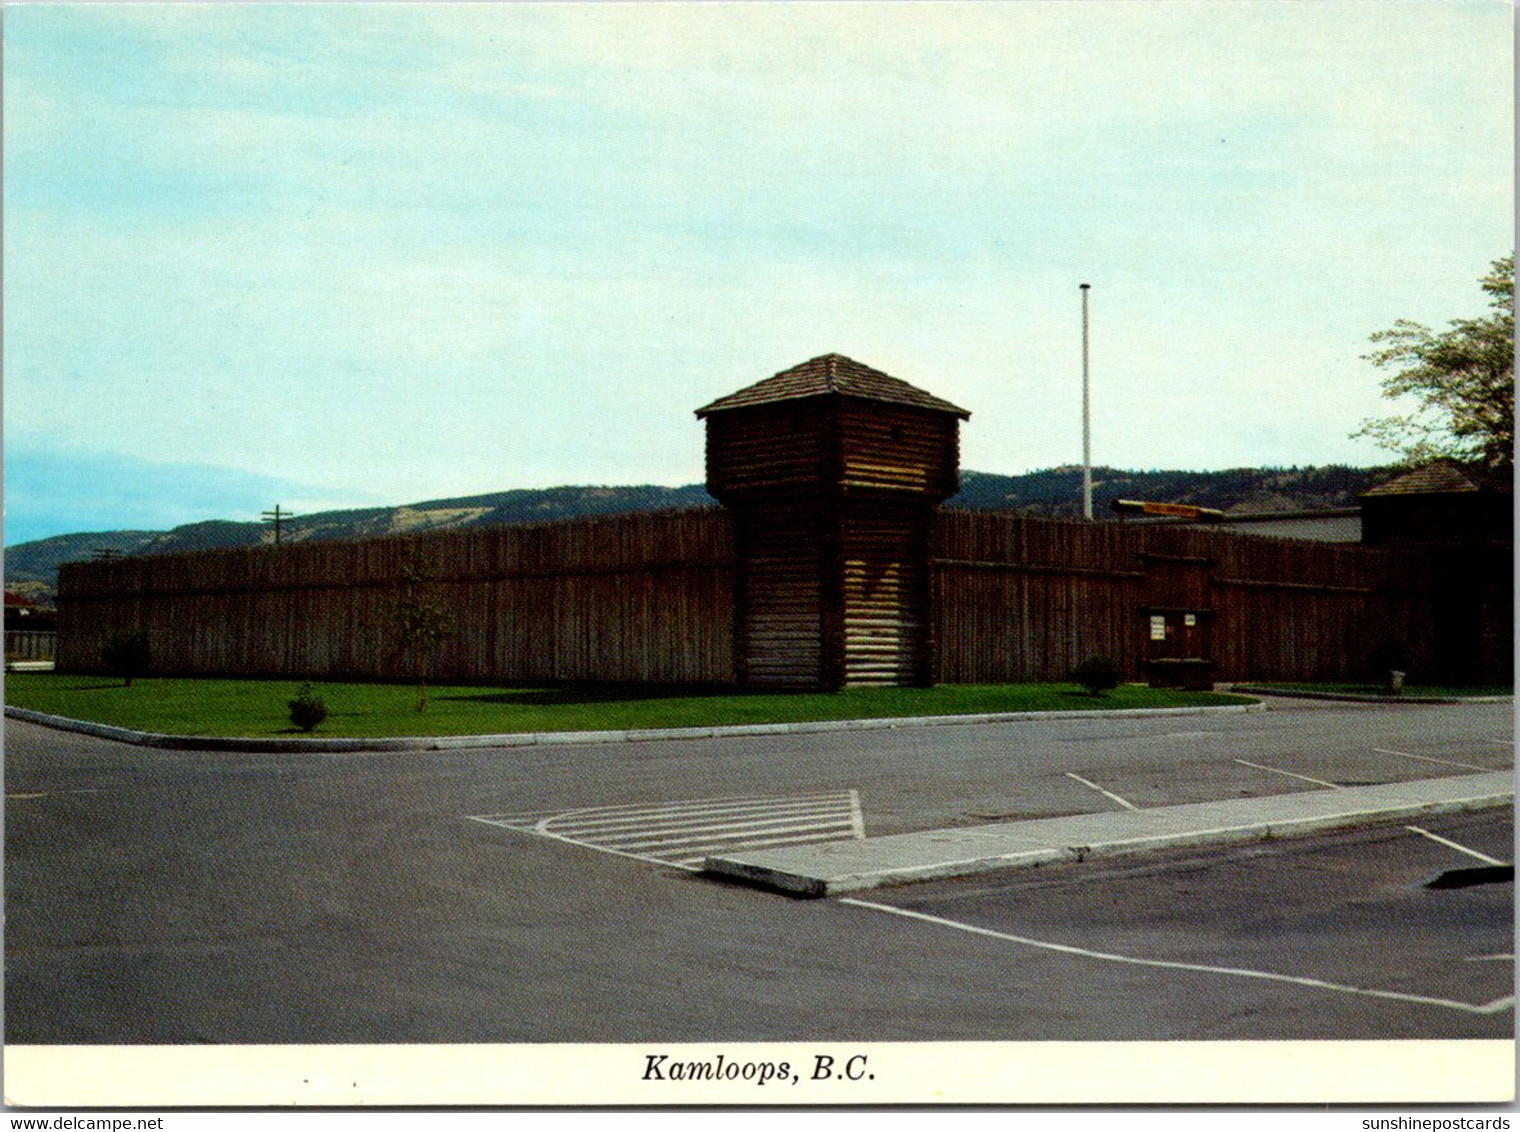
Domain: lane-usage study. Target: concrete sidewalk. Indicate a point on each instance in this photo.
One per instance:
(849, 866)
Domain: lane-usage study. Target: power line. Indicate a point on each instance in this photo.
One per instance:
(277, 517)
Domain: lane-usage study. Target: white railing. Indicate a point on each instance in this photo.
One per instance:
(30, 644)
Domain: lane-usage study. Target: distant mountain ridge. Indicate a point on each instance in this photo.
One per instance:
(31, 568)
(1057, 491)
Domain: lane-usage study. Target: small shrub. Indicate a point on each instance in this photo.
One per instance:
(307, 709)
(126, 654)
(1098, 674)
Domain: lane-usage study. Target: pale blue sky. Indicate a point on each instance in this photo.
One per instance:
(362, 254)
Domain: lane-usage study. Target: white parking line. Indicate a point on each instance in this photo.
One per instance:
(682, 834)
(716, 834)
(608, 815)
(761, 843)
(1412, 828)
(1291, 774)
(1484, 857)
(661, 807)
(1428, 759)
(512, 820)
(1107, 794)
(614, 852)
(1493, 1007)
(566, 823)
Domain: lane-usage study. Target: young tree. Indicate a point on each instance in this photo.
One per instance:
(1464, 379)
(418, 621)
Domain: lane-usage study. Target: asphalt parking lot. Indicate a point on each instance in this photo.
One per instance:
(1304, 916)
(550, 894)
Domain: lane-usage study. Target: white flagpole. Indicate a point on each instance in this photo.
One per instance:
(1086, 419)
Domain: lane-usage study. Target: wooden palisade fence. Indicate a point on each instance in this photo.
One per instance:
(831, 565)
(650, 599)
(631, 598)
(1018, 597)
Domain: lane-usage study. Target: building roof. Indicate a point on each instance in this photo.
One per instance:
(1327, 524)
(1443, 478)
(831, 374)
(1331, 524)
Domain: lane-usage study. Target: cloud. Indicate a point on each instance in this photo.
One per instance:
(433, 250)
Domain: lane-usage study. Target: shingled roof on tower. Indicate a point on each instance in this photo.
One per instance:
(1443, 477)
(832, 374)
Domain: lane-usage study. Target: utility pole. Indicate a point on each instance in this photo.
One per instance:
(1086, 419)
(275, 517)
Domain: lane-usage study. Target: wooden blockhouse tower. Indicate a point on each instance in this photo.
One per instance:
(833, 470)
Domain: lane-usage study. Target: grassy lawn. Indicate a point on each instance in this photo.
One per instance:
(258, 707)
(1411, 691)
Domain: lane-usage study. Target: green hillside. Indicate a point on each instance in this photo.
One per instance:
(31, 568)
(1241, 490)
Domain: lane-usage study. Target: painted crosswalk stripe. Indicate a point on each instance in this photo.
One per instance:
(692, 804)
(707, 818)
(683, 834)
(762, 843)
(714, 834)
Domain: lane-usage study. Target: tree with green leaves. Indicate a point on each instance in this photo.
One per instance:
(418, 621)
(1463, 379)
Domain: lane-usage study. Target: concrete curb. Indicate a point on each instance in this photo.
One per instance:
(1342, 697)
(564, 738)
(832, 868)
